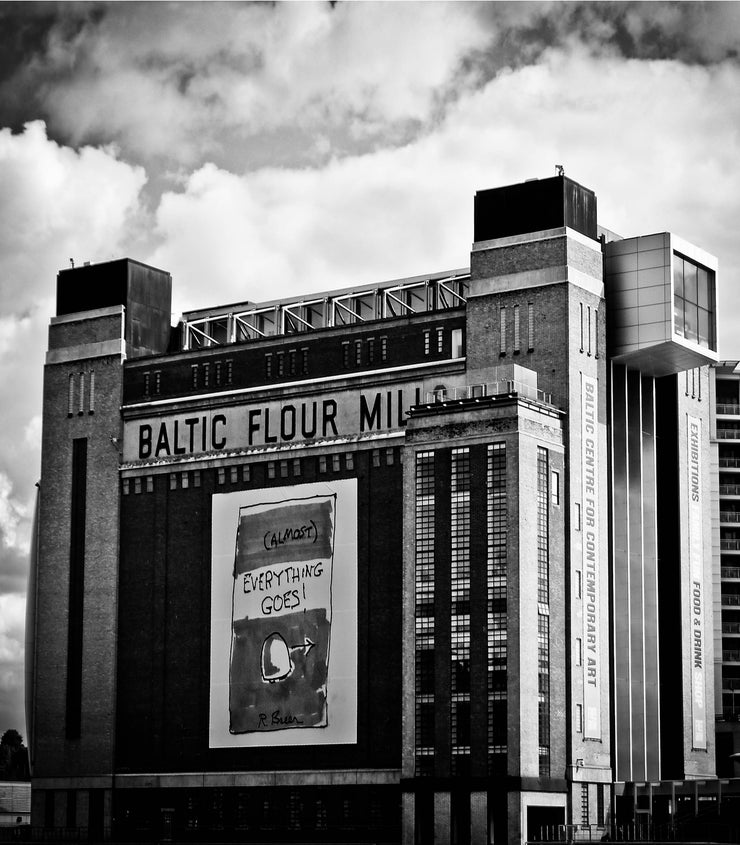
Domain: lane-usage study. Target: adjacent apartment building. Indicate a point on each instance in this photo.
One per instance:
(428, 560)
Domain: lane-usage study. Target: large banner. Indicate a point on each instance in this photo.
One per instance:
(696, 574)
(284, 616)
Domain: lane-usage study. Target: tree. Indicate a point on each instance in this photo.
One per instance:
(13, 757)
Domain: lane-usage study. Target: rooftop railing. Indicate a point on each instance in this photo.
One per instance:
(504, 387)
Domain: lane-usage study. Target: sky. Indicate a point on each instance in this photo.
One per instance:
(256, 150)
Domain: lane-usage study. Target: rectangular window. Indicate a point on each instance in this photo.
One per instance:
(577, 516)
(147, 380)
(292, 360)
(335, 463)
(185, 480)
(150, 484)
(384, 348)
(217, 373)
(345, 353)
(229, 371)
(589, 330)
(580, 309)
(91, 394)
(271, 469)
(600, 815)
(246, 472)
(196, 478)
(376, 457)
(283, 469)
(137, 485)
(693, 302)
(349, 461)
(579, 584)
(585, 814)
(78, 520)
(440, 339)
(555, 487)
(358, 353)
(234, 474)
(502, 330)
(389, 457)
(280, 363)
(71, 395)
(530, 326)
(221, 475)
(516, 328)
(456, 340)
(579, 719)
(297, 467)
(81, 409)
(427, 342)
(173, 481)
(125, 486)
(371, 350)
(268, 364)
(304, 361)
(322, 463)
(194, 375)
(579, 651)
(206, 375)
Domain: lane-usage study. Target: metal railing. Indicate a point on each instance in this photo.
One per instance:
(730, 572)
(729, 545)
(728, 408)
(331, 310)
(731, 655)
(728, 433)
(731, 463)
(496, 388)
(730, 600)
(729, 516)
(729, 489)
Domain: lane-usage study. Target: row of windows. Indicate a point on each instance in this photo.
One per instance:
(81, 393)
(510, 318)
(543, 619)
(293, 362)
(363, 351)
(184, 479)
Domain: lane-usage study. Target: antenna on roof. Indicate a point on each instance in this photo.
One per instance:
(560, 170)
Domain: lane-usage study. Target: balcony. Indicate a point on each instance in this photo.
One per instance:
(728, 408)
(729, 463)
(729, 545)
(730, 572)
(731, 600)
(731, 655)
(729, 516)
(729, 489)
(731, 628)
(728, 433)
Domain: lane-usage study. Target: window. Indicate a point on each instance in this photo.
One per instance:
(71, 395)
(206, 374)
(349, 461)
(335, 464)
(184, 480)
(268, 364)
(322, 463)
(283, 469)
(555, 487)
(246, 473)
(384, 348)
(370, 350)
(196, 478)
(693, 302)
(271, 469)
(440, 339)
(502, 330)
(125, 486)
(358, 353)
(221, 477)
(234, 474)
(530, 326)
(577, 516)
(516, 328)
(173, 481)
(91, 394)
(579, 719)
(427, 341)
(304, 360)
(457, 343)
(280, 364)
(345, 353)
(579, 651)
(194, 375)
(137, 485)
(296, 467)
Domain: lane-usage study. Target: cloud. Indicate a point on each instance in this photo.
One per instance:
(12, 636)
(228, 72)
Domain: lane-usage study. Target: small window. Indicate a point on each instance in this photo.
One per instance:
(234, 473)
(349, 461)
(283, 469)
(137, 485)
(322, 463)
(579, 584)
(196, 478)
(440, 338)
(516, 328)
(71, 395)
(335, 465)
(217, 372)
(147, 380)
(268, 364)
(389, 457)
(376, 457)
(579, 651)
(296, 467)
(184, 480)
(304, 361)
(345, 353)
(150, 484)
(371, 350)
(222, 475)
(530, 326)
(577, 516)
(229, 371)
(246, 473)
(555, 487)
(502, 331)
(457, 345)
(206, 375)
(427, 341)
(271, 469)
(125, 486)
(358, 352)
(280, 364)
(579, 719)
(91, 394)
(173, 481)
(292, 358)
(194, 375)
(383, 348)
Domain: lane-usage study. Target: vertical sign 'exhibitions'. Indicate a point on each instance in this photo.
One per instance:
(591, 567)
(283, 590)
(696, 574)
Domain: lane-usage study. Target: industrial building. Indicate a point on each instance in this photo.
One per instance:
(428, 560)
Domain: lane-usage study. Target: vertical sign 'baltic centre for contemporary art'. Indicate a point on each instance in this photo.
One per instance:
(591, 544)
(696, 572)
(285, 592)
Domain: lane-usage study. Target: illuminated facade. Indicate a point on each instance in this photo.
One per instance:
(341, 566)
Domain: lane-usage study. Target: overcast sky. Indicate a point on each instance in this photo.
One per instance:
(263, 150)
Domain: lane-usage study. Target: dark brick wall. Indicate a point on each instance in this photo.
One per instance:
(164, 627)
(325, 357)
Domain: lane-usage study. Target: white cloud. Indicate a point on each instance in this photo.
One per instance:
(12, 633)
(252, 68)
